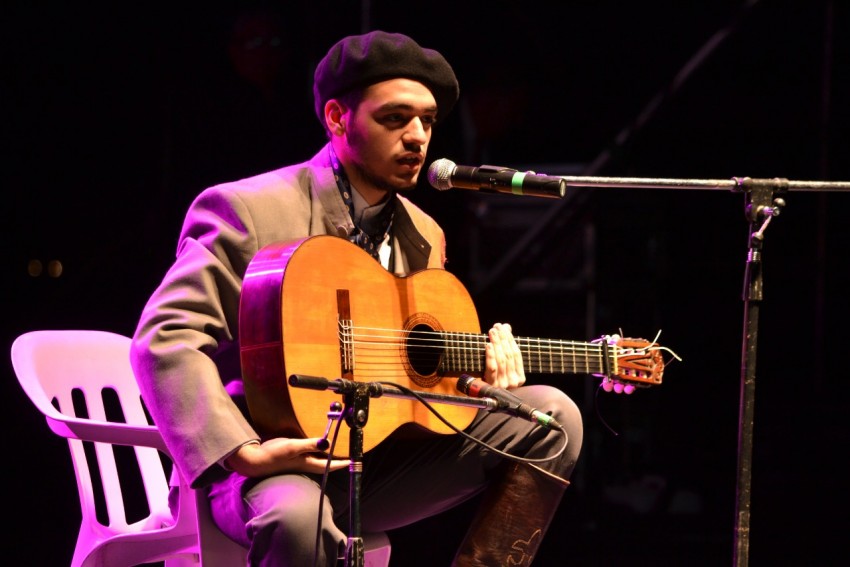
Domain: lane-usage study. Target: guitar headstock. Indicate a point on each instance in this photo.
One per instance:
(632, 363)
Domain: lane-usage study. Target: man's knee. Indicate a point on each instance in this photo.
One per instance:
(285, 522)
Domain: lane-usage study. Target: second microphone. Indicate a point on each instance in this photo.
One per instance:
(506, 401)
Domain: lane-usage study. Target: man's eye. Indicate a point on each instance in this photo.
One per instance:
(401, 119)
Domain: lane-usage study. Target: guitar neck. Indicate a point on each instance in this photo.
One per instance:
(464, 352)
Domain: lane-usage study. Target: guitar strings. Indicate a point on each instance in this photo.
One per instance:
(398, 338)
(432, 351)
(459, 351)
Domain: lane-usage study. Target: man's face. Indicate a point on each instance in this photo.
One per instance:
(386, 138)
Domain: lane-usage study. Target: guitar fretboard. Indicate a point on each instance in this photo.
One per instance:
(464, 352)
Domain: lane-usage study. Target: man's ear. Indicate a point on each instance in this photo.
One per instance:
(334, 117)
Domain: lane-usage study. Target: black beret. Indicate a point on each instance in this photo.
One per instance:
(361, 60)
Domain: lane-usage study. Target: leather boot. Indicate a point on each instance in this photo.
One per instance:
(515, 512)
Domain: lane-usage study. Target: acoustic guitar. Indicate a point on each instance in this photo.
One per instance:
(321, 306)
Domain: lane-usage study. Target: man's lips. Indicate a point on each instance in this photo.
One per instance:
(412, 163)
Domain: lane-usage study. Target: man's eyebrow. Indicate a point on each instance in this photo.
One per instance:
(404, 106)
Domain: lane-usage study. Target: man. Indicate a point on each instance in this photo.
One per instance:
(378, 97)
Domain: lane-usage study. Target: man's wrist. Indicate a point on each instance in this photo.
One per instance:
(225, 462)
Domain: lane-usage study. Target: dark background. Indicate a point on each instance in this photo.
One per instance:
(117, 115)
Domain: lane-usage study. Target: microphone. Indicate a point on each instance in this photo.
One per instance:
(505, 401)
(445, 174)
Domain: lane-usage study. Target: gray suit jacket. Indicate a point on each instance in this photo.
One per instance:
(185, 351)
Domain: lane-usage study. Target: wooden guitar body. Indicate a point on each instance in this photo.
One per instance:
(322, 307)
(295, 296)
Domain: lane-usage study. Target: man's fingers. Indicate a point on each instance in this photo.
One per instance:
(312, 444)
(504, 358)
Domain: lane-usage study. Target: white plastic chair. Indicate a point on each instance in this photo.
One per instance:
(81, 380)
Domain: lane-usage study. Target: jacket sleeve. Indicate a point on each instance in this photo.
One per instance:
(185, 349)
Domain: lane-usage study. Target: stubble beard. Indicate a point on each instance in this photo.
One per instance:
(356, 141)
(380, 182)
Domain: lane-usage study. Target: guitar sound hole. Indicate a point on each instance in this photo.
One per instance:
(425, 349)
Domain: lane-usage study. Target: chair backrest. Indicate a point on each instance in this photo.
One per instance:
(83, 384)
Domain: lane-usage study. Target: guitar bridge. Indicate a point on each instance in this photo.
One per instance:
(346, 333)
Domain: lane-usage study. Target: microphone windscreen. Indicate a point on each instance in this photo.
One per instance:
(463, 383)
(440, 174)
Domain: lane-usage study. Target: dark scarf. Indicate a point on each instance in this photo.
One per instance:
(370, 236)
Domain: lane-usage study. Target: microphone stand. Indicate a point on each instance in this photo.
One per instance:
(356, 397)
(762, 205)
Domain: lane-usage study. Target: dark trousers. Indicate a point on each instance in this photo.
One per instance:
(403, 480)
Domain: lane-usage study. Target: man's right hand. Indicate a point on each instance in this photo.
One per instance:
(281, 455)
